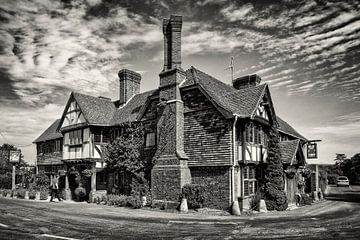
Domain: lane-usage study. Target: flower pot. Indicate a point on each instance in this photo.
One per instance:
(143, 201)
(37, 195)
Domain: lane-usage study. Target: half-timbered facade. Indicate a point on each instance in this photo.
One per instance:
(202, 130)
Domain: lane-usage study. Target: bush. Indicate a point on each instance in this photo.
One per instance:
(255, 201)
(133, 202)
(332, 178)
(20, 193)
(195, 195)
(5, 180)
(306, 199)
(3, 192)
(275, 197)
(41, 181)
(276, 200)
(32, 194)
(44, 193)
(80, 193)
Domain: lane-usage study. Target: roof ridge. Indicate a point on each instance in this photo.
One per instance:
(87, 95)
(213, 78)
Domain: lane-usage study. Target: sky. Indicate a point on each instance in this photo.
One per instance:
(307, 51)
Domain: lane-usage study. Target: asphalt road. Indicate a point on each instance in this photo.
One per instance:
(338, 218)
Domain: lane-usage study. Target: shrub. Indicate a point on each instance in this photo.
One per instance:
(5, 180)
(32, 193)
(275, 197)
(41, 181)
(3, 192)
(20, 193)
(255, 200)
(306, 199)
(121, 201)
(111, 199)
(195, 195)
(80, 193)
(44, 193)
(133, 202)
(332, 178)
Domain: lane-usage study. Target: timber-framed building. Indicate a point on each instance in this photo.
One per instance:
(202, 130)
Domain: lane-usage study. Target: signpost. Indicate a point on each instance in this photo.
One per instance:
(312, 153)
(14, 158)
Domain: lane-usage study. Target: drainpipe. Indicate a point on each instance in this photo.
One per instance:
(235, 203)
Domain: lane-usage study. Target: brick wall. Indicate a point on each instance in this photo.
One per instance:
(216, 180)
(207, 135)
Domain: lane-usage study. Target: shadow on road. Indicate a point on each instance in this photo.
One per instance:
(345, 194)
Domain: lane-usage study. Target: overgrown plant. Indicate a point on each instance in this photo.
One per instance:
(195, 195)
(127, 152)
(273, 187)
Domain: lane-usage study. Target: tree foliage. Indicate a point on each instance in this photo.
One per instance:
(6, 166)
(349, 167)
(273, 187)
(128, 152)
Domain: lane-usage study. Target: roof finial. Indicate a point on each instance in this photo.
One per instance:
(231, 67)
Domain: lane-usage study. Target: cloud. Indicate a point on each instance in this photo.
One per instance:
(43, 51)
(232, 13)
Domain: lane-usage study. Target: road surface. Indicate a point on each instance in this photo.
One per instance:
(338, 218)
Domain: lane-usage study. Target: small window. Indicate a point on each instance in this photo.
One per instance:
(150, 139)
(76, 137)
(250, 183)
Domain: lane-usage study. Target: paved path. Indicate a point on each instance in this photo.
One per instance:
(22, 219)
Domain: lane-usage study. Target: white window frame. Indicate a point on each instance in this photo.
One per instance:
(251, 181)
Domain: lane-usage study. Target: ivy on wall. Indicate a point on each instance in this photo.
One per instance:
(127, 152)
(273, 187)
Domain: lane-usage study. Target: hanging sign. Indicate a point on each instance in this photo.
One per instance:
(312, 150)
(15, 156)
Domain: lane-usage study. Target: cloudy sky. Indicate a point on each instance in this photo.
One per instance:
(307, 51)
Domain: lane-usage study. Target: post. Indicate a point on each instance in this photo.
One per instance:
(67, 189)
(93, 183)
(317, 176)
(13, 177)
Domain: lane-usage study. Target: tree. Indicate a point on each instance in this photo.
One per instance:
(127, 153)
(273, 188)
(349, 167)
(6, 166)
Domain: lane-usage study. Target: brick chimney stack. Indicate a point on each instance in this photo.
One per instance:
(172, 42)
(170, 172)
(246, 81)
(129, 85)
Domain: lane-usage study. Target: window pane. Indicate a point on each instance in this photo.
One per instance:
(150, 140)
(246, 188)
(246, 172)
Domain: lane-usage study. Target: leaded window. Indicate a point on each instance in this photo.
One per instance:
(250, 183)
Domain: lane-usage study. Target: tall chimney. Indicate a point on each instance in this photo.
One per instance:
(129, 85)
(170, 172)
(172, 42)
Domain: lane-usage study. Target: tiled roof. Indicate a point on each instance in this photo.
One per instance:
(288, 150)
(51, 133)
(130, 111)
(96, 110)
(286, 128)
(242, 102)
